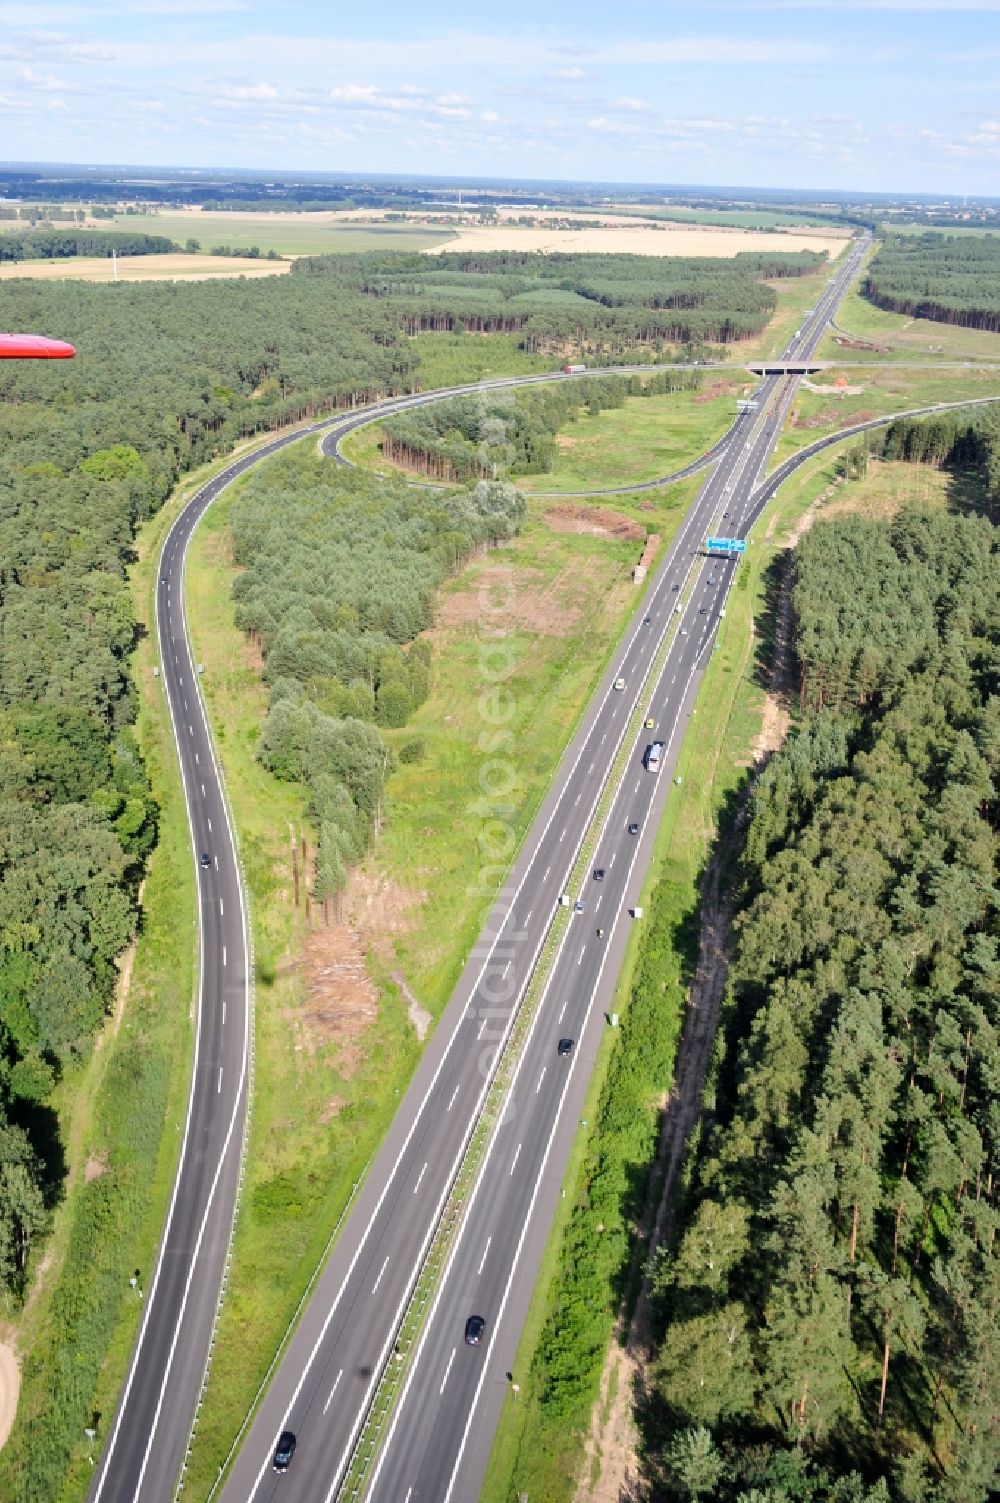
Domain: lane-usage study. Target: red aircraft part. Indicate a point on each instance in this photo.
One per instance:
(33, 347)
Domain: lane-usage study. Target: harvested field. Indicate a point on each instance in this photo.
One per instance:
(643, 240)
(170, 268)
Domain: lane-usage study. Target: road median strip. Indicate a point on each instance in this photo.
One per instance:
(366, 1447)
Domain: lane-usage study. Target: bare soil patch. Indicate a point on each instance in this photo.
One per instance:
(341, 1001)
(95, 1166)
(716, 389)
(862, 344)
(547, 605)
(596, 521)
(826, 389)
(418, 1014)
(340, 998)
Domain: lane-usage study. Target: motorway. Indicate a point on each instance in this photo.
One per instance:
(442, 1428)
(346, 1335)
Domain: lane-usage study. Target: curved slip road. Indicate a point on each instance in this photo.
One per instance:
(444, 1422)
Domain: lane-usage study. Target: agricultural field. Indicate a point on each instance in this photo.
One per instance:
(640, 240)
(318, 234)
(178, 267)
(958, 229)
(749, 219)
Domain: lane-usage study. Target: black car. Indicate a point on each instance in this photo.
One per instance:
(284, 1451)
(633, 828)
(598, 873)
(646, 620)
(206, 859)
(474, 1328)
(565, 1046)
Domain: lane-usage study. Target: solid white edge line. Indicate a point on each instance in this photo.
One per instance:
(244, 1059)
(186, 514)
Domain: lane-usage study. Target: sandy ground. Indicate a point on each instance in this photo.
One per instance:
(10, 1385)
(642, 240)
(171, 268)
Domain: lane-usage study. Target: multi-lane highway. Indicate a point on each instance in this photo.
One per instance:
(440, 1434)
(345, 1338)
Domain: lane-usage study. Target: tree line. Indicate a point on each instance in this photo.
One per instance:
(55, 244)
(950, 278)
(829, 1303)
(494, 433)
(339, 574)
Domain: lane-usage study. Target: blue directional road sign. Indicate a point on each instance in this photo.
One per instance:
(726, 545)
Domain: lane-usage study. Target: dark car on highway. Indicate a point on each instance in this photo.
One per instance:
(598, 873)
(565, 1046)
(474, 1328)
(206, 859)
(633, 828)
(284, 1451)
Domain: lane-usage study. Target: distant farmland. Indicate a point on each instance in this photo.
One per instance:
(170, 268)
(288, 234)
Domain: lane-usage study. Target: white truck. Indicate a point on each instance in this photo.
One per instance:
(654, 756)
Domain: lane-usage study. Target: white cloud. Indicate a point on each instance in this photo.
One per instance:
(567, 75)
(631, 105)
(34, 45)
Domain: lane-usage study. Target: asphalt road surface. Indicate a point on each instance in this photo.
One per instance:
(442, 1429)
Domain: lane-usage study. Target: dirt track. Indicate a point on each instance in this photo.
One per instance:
(10, 1387)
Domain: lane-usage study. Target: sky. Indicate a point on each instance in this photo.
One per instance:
(868, 95)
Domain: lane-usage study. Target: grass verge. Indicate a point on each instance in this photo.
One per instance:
(822, 407)
(904, 337)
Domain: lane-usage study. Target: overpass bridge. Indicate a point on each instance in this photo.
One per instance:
(788, 367)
